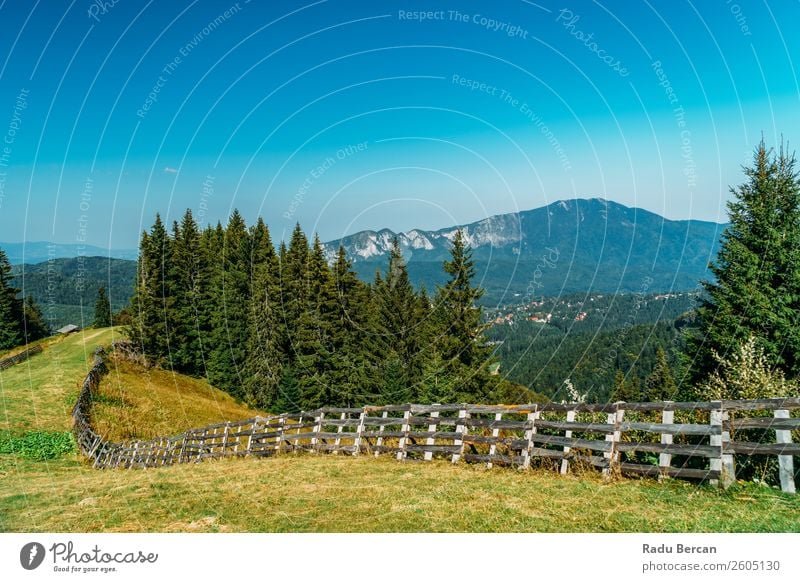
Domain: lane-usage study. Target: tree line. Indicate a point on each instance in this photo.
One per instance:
(21, 320)
(291, 328)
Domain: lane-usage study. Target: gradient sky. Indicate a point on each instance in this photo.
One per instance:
(262, 108)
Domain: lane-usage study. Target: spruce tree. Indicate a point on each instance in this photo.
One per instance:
(185, 277)
(102, 309)
(209, 302)
(755, 291)
(397, 331)
(660, 384)
(151, 302)
(626, 390)
(10, 307)
(350, 373)
(263, 363)
(35, 326)
(230, 321)
(460, 341)
(293, 264)
(313, 335)
(288, 392)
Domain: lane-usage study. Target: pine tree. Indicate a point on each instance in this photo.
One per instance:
(151, 302)
(313, 335)
(461, 343)
(35, 326)
(263, 363)
(397, 331)
(439, 384)
(209, 302)
(10, 307)
(660, 384)
(350, 374)
(102, 309)
(293, 264)
(626, 390)
(185, 278)
(288, 392)
(230, 322)
(757, 284)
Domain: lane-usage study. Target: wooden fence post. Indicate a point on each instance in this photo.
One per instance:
(224, 451)
(381, 428)
(133, 455)
(715, 440)
(567, 434)
(461, 429)
(183, 448)
(533, 416)
(728, 476)
(339, 430)
(430, 441)
(493, 446)
(280, 429)
(665, 459)
(785, 462)
(359, 431)
(317, 429)
(253, 429)
(613, 456)
(401, 454)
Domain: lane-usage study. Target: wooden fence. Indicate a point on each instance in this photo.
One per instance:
(20, 357)
(690, 440)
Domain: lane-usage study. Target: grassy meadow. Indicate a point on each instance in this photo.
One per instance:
(305, 492)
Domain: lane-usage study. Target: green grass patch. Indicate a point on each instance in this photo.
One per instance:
(37, 445)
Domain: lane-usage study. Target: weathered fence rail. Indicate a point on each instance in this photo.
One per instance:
(20, 357)
(689, 440)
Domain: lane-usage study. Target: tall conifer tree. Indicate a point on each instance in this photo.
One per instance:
(10, 307)
(102, 309)
(755, 291)
(461, 343)
(230, 322)
(264, 360)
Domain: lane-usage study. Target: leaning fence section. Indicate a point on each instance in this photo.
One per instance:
(688, 440)
(20, 357)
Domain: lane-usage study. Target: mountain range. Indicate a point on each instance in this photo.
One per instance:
(579, 245)
(41, 251)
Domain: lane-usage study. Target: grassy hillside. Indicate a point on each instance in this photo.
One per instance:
(138, 403)
(38, 394)
(306, 492)
(66, 289)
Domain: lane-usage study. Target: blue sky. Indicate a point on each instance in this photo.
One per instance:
(353, 115)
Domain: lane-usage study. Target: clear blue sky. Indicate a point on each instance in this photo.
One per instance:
(117, 112)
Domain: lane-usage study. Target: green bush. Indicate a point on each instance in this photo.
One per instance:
(38, 445)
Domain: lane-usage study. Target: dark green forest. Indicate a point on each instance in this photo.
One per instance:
(285, 330)
(66, 289)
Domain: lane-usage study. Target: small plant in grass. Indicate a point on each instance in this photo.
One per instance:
(38, 445)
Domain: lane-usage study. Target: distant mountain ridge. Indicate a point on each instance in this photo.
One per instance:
(41, 251)
(568, 246)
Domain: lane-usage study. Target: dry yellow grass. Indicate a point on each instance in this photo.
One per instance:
(325, 493)
(134, 402)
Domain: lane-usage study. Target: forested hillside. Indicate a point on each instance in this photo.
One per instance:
(66, 289)
(588, 339)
